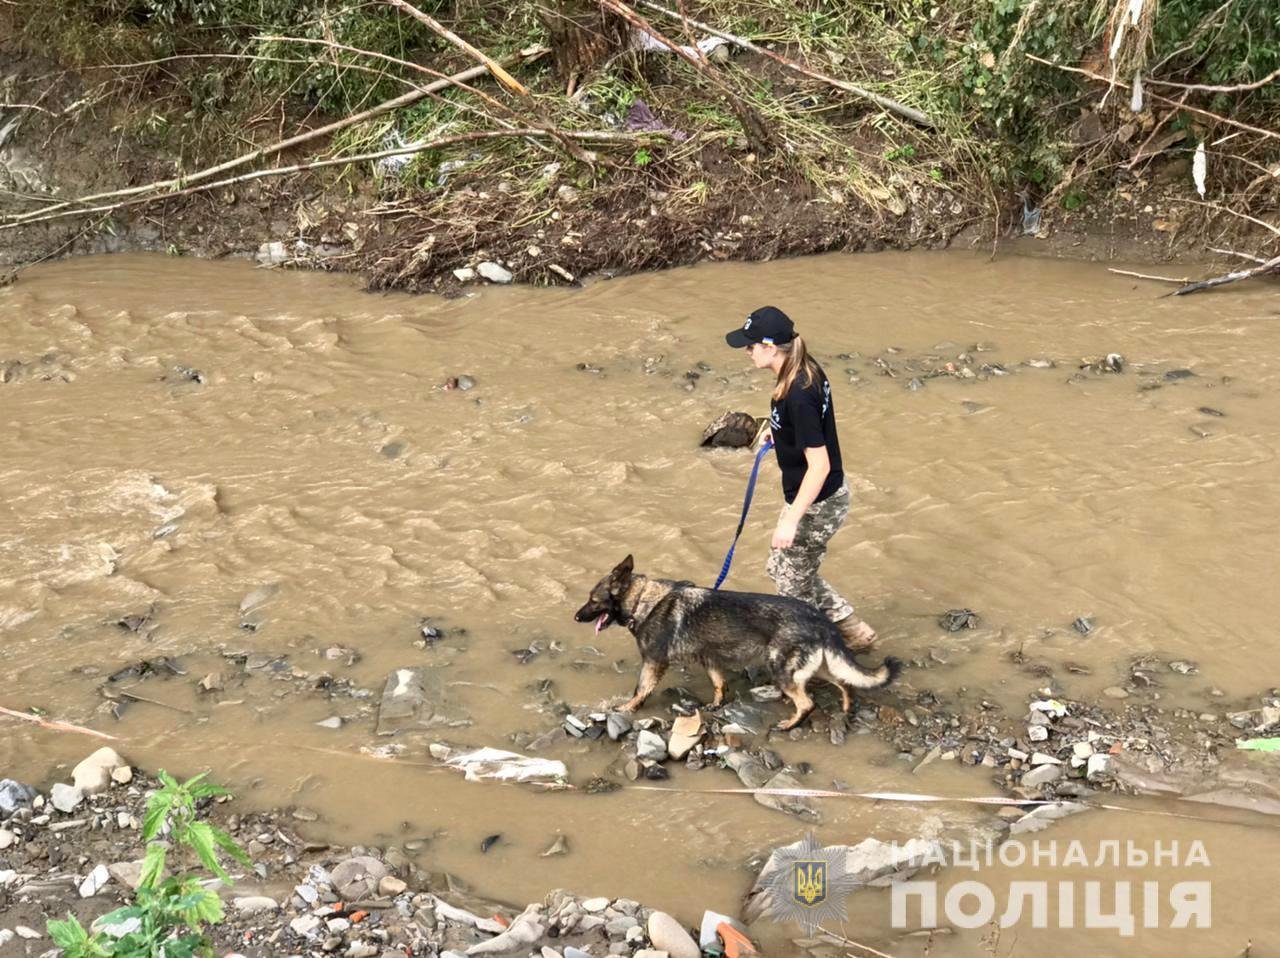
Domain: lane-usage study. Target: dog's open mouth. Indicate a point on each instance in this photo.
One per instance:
(603, 622)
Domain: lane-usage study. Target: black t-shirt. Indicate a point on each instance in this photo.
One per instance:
(804, 418)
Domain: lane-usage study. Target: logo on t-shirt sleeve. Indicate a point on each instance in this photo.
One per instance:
(826, 397)
(775, 418)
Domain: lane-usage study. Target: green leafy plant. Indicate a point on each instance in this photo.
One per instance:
(168, 917)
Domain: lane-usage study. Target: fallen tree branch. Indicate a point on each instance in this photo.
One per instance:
(1272, 134)
(1205, 88)
(575, 151)
(1161, 279)
(1231, 252)
(884, 102)
(591, 136)
(1269, 266)
(55, 725)
(753, 126)
(493, 65)
(182, 182)
(1226, 209)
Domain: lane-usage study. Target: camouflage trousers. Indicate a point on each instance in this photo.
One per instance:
(794, 571)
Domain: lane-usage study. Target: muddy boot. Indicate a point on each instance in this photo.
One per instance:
(858, 636)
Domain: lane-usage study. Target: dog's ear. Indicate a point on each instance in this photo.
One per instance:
(622, 571)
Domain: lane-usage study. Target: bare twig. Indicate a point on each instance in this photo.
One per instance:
(884, 102)
(602, 136)
(753, 126)
(55, 725)
(1205, 88)
(182, 182)
(1231, 252)
(26, 106)
(142, 698)
(1226, 209)
(1269, 266)
(1272, 134)
(1161, 279)
(493, 65)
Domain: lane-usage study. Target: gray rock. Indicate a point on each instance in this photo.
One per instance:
(416, 698)
(94, 881)
(305, 925)
(617, 725)
(7, 838)
(595, 905)
(651, 746)
(126, 874)
(272, 253)
(464, 275)
(668, 935)
(93, 775)
(753, 774)
(494, 273)
(618, 927)
(358, 877)
(255, 905)
(333, 721)
(1115, 692)
(66, 798)
(15, 795)
(1042, 775)
(1037, 733)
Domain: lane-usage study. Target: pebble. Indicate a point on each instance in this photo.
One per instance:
(7, 838)
(337, 925)
(307, 893)
(668, 935)
(595, 904)
(620, 926)
(94, 882)
(494, 273)
(651, 746)
(304, 925)
(255, 904)
(361, 949)
(1115, 692)
(93, 775)
(1038, 733)
(464, 275)
(28, 933)
(1042, 775)
(390, 886)
(66, 798)
(617, 725)
(333, 721)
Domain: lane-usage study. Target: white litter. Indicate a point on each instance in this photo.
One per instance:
(495, 764)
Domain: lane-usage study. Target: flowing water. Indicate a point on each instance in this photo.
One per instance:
(317, 456)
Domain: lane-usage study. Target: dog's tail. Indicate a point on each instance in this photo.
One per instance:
(842, 665)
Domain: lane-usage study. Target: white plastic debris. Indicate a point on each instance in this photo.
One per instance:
(704, 47)
(494, 763)
(1136, 100)
(1199, 168)
(1050, 707)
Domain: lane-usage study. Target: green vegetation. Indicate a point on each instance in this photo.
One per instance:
(989, 72)
(169, 916)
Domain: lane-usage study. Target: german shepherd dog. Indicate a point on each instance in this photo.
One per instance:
(677, 621)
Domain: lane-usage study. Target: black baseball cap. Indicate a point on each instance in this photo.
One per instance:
(768, 324)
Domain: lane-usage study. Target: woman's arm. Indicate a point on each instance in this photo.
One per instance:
(815, 474)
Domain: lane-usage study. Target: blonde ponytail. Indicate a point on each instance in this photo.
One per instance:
(797, 365)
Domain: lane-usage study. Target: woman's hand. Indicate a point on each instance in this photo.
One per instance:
(785, 534)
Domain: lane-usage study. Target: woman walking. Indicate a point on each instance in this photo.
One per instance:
(803, 424)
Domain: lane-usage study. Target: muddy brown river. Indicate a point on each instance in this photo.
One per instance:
(316, 455)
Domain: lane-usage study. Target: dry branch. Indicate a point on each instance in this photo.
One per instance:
(1204, 88)
(1160, 279)
(1270, 266)
(55, 725)
(493, 65)
(884, 102)
(1272, 134)
(758, 135)
(182, 183)
(591, 136)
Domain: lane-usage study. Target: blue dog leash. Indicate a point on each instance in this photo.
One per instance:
(746, 507)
